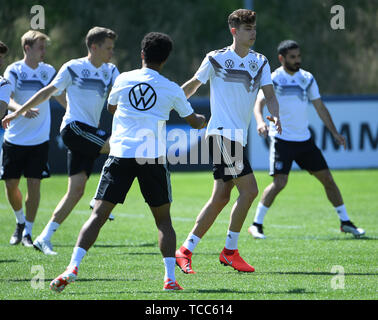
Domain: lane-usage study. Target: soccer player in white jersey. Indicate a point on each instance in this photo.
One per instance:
(26, 145)
(142, 100)
(294, 88)
(87, 82)
(5, 90)
(235, 73)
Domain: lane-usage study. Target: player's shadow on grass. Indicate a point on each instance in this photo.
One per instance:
(105, 245)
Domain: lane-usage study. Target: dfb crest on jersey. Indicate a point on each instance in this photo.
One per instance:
(253, 66)
(229, 64)
(105, 74)
(85, 73)
(44, 75)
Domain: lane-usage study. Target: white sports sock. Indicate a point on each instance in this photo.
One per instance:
(342, 213)
(77, 255)
(261, 211)
(28, 228)
(49, 230)
(191, 242)
(232, 240)
(20, 218)
(169, 263)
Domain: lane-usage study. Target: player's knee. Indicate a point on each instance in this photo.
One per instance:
(249, 195)
(11, 185)
(220, 200)
(279, 183)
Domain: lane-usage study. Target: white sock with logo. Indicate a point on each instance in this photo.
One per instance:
(261, 211)
(20, 217)
(28, 228)
(49, 230)
(342, 213)
(191, 242)
(232, 240)
(77, 255)
(169, 263)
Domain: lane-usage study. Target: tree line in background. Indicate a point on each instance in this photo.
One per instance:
(343, 61)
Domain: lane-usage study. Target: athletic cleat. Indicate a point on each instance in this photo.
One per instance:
(67, 277)
(233, 259)
(349, 227)
(44, 246)
(170, 285)
(256, 230)
(184, 260)
(91, 206)
(17, 235)
(27, 241)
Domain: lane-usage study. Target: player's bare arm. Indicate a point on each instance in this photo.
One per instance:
(3, 108)
(261, 126)
(14, 106)
(62, 99)
(273, 107)
(324, 114)
(190, 87)
(112, 108)
(41, 96)
(196, 121)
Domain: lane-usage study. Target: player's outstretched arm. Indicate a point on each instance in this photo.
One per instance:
(14, 106)
(273, 107)
(41, 96)
(261, 126)
(62, 99)
(190, 87)
(324, 114)
(3, 108)
(196, 121)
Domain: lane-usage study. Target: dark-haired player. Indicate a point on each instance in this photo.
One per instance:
(141, 101)
(294, 88)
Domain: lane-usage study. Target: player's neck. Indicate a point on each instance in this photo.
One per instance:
(31, 63)
(153, 66)
(240, 50)
(96, 62)
(289, 71)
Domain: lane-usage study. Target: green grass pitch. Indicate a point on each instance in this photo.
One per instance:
(305, 256)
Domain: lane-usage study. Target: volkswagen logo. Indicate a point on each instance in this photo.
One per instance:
(229, 64)
(142, 97)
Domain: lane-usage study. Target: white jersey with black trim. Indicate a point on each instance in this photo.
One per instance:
(5, 90)
(234, 83)
(87, 88)
(145, 99)
(25, 82)
(293, 93)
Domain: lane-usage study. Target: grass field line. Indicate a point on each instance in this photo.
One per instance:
(142, 216)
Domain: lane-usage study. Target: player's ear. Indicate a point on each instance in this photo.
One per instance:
(281, 58)
(233, 31)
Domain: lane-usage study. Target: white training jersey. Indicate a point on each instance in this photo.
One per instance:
(145, 99)
(234, 83)
(293, 93)
(5, 90)
(86, 88)
(25, 82)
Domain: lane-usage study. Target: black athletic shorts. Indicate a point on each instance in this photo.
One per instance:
(305, 153)
(84, 143)
(31, 161)
(229, 158)
(118, 175)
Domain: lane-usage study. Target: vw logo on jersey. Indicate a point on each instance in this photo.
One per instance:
(253, 66)
(229, 64)
(23, 75)
(85, 73)
(142, 96)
